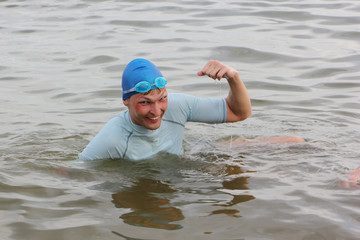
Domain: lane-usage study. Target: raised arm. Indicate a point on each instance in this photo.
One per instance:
(238, 101)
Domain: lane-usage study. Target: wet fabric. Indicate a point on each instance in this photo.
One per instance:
(121, 138)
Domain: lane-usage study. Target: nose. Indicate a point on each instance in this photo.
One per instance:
(155, 109)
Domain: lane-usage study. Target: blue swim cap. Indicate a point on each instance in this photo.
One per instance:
(136, 71)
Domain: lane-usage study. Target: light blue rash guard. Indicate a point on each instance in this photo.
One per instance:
(121, 138)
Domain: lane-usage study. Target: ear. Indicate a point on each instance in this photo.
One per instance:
(126, 102)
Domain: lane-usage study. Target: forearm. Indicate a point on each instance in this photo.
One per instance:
(238, 100)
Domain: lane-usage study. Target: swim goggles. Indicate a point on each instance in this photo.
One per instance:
(144, 86)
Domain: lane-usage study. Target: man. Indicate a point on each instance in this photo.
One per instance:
(155, 119)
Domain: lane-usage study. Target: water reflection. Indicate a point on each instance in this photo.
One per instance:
(149, 209)
(149, 198)
(238, 183)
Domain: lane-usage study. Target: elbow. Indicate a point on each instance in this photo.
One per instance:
(237, 117)
(248, 114)
(244, 115)
(238, 112)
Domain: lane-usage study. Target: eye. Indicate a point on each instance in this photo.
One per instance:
(144, 102)
(163, 99)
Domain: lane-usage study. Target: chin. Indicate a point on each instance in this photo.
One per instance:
(152, 127)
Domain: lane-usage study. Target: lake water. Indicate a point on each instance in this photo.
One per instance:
(60, 81)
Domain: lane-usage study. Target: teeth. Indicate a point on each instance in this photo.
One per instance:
(154, 118)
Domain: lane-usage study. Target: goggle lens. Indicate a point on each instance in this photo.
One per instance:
(160, 82)
(144, 86)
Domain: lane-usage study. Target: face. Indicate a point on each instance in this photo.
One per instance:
(148, 109)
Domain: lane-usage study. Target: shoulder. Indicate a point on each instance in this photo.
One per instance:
(116, 119)
(179, 107)
(179, 96)
(116, 124)
(180, 100)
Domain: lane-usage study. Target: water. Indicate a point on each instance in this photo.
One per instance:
(61, 64)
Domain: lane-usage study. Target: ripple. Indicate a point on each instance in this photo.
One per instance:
(33, 191)
(303, 36)
(12, 5)
(99, 60)
(286, 15)
(249, 55)
(26, 31)
(12, 78)
(64, 95)
(277, 87)
(78, 6)
(92, 110)
(351, 35)
(108, 93)
(323, 73)
(334, 20)
(48, 124)
(156, 40)
(115, 68)
(41, 91)
(338, 85)
(58, 19)
(350, 58)
(140, 24)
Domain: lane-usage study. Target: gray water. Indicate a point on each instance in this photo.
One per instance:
(61, 64)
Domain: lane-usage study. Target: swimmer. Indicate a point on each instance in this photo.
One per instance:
(155, 119)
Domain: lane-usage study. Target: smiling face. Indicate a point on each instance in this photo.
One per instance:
(148, 109)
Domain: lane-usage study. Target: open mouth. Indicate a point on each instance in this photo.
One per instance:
(155, 118)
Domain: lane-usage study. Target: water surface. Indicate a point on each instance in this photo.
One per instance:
(61, 64)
